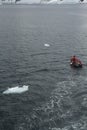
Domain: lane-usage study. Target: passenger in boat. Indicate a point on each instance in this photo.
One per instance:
(75, 60)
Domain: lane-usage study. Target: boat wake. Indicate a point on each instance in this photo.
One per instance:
(16, 89)
(63, 111)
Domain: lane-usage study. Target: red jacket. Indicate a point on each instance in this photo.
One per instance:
(75, 60)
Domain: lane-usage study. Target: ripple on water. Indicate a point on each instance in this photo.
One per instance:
(61, 112)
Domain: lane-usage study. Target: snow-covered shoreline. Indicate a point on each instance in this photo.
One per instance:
(44, 1)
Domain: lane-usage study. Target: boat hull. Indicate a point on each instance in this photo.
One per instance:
(76, 65)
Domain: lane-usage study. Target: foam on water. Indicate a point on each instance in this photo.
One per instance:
(16, 89)
(61, 111)
(66, 108)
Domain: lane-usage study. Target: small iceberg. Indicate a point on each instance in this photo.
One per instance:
(16, 89)
(47, 45)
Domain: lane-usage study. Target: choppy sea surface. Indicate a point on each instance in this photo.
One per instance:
(38, 88)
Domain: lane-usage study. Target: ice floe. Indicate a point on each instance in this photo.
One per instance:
(16, 89)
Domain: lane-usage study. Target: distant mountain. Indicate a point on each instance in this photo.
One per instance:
(44, 1)
(62, 1)
(52, 1)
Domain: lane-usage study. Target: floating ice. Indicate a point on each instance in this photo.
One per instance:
(47, 45)
(16, 89)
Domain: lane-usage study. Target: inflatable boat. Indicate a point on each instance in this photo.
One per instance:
(76, 65)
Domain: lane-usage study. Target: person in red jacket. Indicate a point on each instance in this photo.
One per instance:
(75, 60)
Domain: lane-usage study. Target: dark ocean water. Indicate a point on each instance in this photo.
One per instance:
(57, 94)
